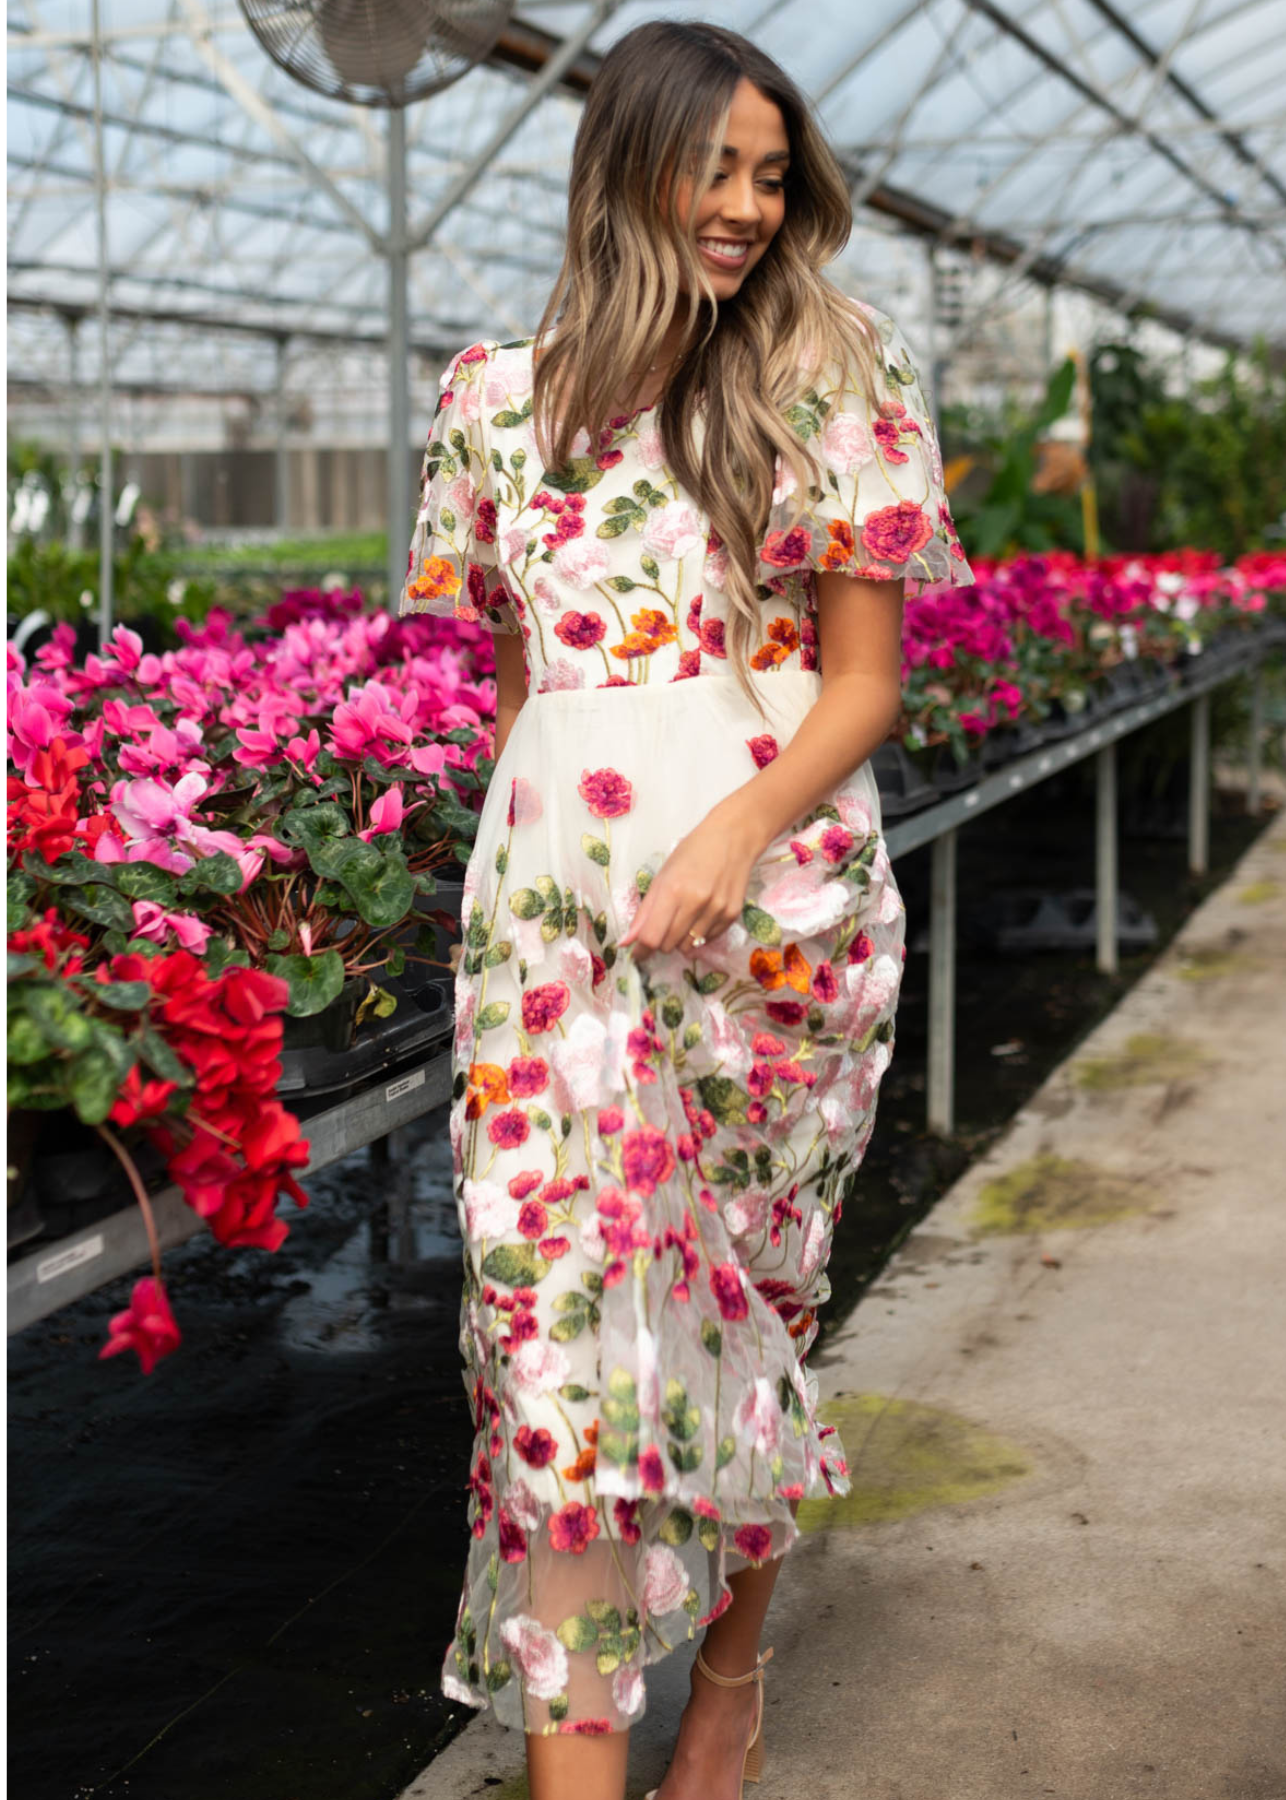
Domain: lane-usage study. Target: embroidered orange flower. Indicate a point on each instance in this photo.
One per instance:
(774, 969)
(783, 641)
(488, 1082)
(651, 629)
(440, 576)
(841, 547)
(583, 1467)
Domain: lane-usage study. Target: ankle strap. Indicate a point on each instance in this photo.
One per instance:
(733, 1680)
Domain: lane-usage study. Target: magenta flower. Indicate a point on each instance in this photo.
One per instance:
(537, 1448)
(508, 1130)
(895, 533)
(580, 631)
(528, 1076)
(763, 748)
(372, 720)
(651, 1470)
(754, 1542)
(386, 814)
(532, 1219)
(513, 1539)
(152, 921)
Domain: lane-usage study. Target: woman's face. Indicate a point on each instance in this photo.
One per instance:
(739, 214)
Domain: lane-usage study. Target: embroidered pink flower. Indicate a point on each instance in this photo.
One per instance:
(786, 549)
(507, 1130)
(532, 1219)
(607, 793)
(573, 1527)
(543, 1006)
(754, 1542)
(665, 1580)
(535, 1447)
(673, 531)
(528, 1075)
(582, 563)
(726, 1286)
(580, 631)
(651, 1470)
(647, 1157)
(625, 1515)
(513, 1539)
(610, 1121)
(525, 804)
(541, 1659)
(846, 443)
(895, 533)
(763, 749)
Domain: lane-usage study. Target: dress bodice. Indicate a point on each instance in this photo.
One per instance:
(610, 571)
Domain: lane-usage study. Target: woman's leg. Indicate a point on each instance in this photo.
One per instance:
(717, 1721)
(588, 1768)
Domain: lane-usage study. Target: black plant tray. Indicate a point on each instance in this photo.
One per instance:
(902, 787)
(419, 1023)
(1019, 920)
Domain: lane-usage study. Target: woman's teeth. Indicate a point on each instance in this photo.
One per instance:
(724, 250)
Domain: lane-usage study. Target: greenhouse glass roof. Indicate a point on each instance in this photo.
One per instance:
(1132, 148)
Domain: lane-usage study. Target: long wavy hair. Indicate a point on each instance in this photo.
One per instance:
(656, 114)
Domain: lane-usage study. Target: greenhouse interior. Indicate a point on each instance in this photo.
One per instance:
(275, 271)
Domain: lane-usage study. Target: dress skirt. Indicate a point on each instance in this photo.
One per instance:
(650, 1160)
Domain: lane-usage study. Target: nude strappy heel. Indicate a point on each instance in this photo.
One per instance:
(753, 1762)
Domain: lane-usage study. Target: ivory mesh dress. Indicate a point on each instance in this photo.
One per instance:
(650, 1157)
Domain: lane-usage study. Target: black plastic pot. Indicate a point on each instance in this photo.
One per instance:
(903, 789)
(379, 1048)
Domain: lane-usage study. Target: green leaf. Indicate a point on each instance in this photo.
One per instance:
(126, 996)
(558, 1707)
(612, 528)
(803, 422)
(500, 952)
(711, 1337)
(221, 955)
(314, 981)
(61, 1022)
(650, 567)
(572, 1390)
(498, 1674)
(711, 981)
(708, 1533)
(621, 584)
(312, 825)
(94, 1084)
(596, 850)
(26, 1041)
(562, 1331)
(727, 1450)
(163, 1061)
(101, 905)
(72, 865)
(516, 1265)
(760, 924)
(216, 874)
(378, 881)
(577, 1633)
(145, 881)
(607, 1660)
(494, 1013)
(685, 1457)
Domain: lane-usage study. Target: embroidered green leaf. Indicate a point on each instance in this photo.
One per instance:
(760, 924)
(562, 1331)
(572, 1301)
(516, 1265)
(497, 1675)
(581, 474)
(577, 1632)
(596, 850)
(612, 528)
(621, 584)
(724, 1098)
(803, 421)
(499, 952)
(558, 1707)
(708, 1533)
(727, 1450)
(494, 1013)
(676, 1528)
(526, 903)
(605, 1615)
(607, 1660)
(685, 1457)
(650, 567)
(572, 1390)
(711, 1337)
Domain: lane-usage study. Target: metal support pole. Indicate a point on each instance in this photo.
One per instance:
(1199, 788)
(281, 468)
(399, 399)
(1105, 856)
(1256, 735)
(942, 984)
(75, 526)
(105, 502)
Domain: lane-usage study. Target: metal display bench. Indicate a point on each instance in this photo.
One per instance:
(55, 1275)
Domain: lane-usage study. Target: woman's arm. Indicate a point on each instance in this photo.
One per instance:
(701, 886)
(511, 684)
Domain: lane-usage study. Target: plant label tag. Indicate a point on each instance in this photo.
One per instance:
(85, 1251)
(407, 1085)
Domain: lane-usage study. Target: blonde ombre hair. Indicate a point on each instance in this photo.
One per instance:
(656, 113)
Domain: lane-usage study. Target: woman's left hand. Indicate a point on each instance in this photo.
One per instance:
(700, 888)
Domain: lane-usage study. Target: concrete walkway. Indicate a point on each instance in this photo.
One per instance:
(1063, 1568)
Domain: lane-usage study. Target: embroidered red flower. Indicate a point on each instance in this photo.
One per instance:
(543, 1006)
(606, 792)
(573, 1527)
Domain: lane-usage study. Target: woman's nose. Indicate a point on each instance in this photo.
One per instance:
(739, 201)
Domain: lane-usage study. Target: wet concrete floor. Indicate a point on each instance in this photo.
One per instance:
(234, 1579)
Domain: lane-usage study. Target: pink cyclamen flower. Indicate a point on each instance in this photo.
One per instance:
(387, 814)
(146, 1325)
(152, 921)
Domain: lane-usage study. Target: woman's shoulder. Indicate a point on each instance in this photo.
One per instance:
(491, 354)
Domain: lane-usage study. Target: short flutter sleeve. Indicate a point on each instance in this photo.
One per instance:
(453, 569)
(880, 510)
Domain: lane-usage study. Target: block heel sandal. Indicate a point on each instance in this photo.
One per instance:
(753, 1761)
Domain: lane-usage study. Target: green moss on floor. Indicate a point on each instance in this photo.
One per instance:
(905, 1457)
(1051, 1193)
(1209, 962)
(1258, 892)
(1148, 1056)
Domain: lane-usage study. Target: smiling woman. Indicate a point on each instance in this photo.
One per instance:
(688, 507)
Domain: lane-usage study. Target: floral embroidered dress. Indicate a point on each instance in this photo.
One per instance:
(651, 1156)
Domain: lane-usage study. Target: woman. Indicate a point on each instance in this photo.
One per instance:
(687, 509)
